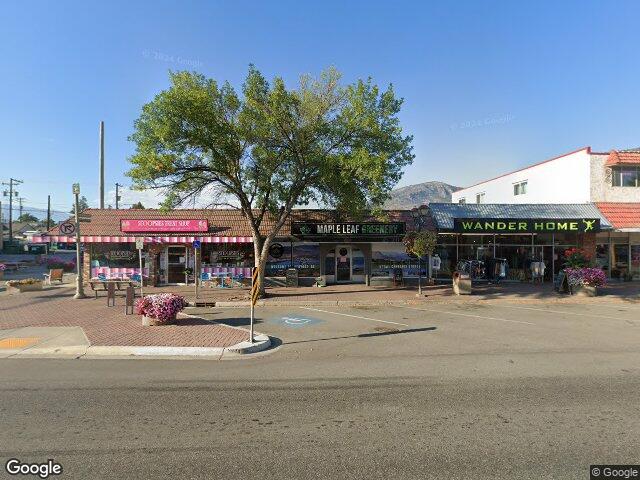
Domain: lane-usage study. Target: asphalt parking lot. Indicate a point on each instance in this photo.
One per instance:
(491, 328)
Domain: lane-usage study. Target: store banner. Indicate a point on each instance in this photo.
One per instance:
(525, 225)
(164, 225)
(306, 229)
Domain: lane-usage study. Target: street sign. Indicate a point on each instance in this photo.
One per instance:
(139, 243)
(196, 244)
(67, 228)
(76, 189)
(84, 218)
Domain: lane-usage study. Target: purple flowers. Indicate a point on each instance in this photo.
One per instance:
(2, 267)
(593, 277)
(59, 262)
(162, 306)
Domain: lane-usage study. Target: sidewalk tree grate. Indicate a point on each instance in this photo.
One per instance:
(17, 342)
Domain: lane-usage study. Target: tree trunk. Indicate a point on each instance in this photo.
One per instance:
(261, 253)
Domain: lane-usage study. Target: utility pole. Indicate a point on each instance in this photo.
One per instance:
(48, 212)
(118, 194)
(1, 230)
(101, 155)
(12, 182)
(79, 283)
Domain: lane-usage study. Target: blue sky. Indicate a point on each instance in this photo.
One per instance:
(488, 86)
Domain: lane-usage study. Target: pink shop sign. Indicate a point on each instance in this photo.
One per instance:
(164, 225)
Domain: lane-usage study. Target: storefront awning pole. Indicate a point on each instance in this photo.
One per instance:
(553, 256)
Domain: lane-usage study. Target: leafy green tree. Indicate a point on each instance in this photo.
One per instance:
(82, 205)
(420, 244)
(271, 148)
(27, 217)
(138, 205)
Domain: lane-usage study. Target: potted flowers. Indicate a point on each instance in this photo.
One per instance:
(2, 268)
(25, 285)
(585, 281)
(160, 309)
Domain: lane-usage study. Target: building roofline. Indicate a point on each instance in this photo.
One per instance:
(588, 149)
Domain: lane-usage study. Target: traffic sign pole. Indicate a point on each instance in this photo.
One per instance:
(196, 267)
(254, 298)
(79, 282)
(140, 246)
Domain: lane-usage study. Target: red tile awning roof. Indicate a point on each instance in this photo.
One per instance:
(623, 157)
(621, 215)
(225, 225)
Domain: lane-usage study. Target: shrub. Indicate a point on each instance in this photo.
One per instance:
(59, 262)
(162, 306)
(576, 258)
(593, 277)
(24, 281)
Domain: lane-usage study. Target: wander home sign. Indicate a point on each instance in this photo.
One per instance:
(347, 229)
(528, 225)
(164, 225)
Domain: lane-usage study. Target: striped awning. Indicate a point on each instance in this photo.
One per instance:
(125, 239)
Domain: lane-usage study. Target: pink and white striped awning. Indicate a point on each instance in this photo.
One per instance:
(122, 239)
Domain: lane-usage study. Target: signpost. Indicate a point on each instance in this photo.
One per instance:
(255, 291)
(196, 267)
(67, 228)
(79, 283)
(139, 247)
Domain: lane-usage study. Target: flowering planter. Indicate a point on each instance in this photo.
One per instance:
(585, 291)
(32, 287)
(154, 322)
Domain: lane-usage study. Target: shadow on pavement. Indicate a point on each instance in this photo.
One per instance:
(366, 335)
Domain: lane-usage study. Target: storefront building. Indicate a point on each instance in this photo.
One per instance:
(518, 233)
(618, 250)
(315, 242)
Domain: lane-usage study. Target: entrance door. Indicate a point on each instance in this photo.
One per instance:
(176, 263)
(343, 264)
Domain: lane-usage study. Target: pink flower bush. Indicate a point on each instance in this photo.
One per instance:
(2, 267)
(162, 306)
(593, 277)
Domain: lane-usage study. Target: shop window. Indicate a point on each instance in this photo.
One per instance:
(520, 188)
(306, 259)
(620, 261)
(635, 260)
(357, 259)
(625, 176)
(387, 257)
(114, 255)
(330, 262)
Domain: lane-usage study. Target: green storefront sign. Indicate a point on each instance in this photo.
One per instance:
(305, 229)
(525, 225)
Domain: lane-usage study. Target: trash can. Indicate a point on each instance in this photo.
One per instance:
(461, 283)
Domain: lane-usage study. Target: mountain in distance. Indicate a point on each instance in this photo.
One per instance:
(420, 194)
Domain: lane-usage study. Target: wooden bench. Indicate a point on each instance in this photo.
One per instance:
(54, 275)
(98, 286)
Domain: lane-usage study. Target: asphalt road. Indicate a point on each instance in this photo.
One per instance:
(466, 392)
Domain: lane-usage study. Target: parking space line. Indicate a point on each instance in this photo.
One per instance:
(559, 312)
(446, 312)
(354, 316)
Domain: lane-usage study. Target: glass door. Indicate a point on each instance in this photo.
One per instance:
(343, 263)
(176, 263)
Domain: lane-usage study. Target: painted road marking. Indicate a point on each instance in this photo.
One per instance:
(466, 315)
(563, 313)
(354, 316)
(295, 321)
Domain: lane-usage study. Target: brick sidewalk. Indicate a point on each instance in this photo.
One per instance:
(108, 326)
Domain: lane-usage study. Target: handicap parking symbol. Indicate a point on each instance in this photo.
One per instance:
(295, 321)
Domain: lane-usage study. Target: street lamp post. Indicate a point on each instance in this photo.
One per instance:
(79, 285)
